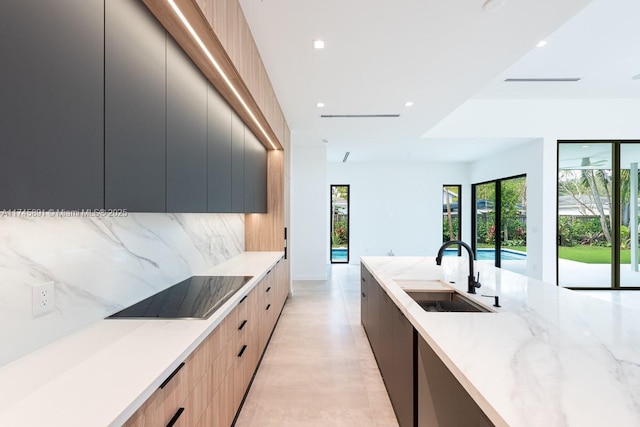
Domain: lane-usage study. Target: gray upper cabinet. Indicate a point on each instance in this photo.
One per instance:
(51, 113)
(219, 153)
(135, 108)
(186, 133)
(102, 109)
(237, 164)
(255, 174)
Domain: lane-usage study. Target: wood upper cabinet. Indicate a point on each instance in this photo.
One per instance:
(219, 152)
(186, 133)
(135, 108)
(51, 113)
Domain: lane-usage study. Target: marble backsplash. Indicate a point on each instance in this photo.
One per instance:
(99, 265)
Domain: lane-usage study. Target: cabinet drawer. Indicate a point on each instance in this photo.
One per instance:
(165, 402)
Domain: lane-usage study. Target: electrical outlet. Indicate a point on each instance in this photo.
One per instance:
(43, 299)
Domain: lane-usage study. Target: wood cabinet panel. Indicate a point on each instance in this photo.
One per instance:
(163, 403)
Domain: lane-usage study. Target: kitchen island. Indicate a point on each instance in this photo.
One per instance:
(547, 357)
(101, 375)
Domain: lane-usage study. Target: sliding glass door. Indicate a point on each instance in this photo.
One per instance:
(513, 224)
(598, 214)
(629, 236)
(500, 222)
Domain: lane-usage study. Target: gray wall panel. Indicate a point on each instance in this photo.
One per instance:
(51, 113)
(134, 108)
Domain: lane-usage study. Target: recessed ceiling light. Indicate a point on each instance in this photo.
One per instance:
(318, 44)
(408, 104)
(320, 104)
(636, 77)
(541, 43)
(489, 5)
(325, 140)
(585, 146)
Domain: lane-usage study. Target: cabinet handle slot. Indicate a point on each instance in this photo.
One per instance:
(244, 322)
(244, 347)
(242, 300)
(268, 289)
(173, 374)
(175, 417)
(268, 306)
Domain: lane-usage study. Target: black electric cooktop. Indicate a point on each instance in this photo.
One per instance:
(195, 298)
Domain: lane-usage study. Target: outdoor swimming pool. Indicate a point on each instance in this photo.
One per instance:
(339, 254)
(489, 254)
(483, 254)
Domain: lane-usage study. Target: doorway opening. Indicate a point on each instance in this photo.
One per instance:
(339, 231)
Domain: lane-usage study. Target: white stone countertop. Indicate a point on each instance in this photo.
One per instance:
(101, 374)
(548, 357)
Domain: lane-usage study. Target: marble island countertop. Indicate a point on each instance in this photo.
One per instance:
(101, 374)
(548, 356)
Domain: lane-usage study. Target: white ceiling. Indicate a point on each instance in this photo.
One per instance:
(436, 53)
(600, 45)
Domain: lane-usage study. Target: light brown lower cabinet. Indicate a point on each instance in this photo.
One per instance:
(208, 388)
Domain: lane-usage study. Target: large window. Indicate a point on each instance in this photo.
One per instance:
(451, 208)
(500, 222)
(598, 214)
(339, 232)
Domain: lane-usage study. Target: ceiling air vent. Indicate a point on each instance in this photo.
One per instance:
(542, 80)
(359, 116)
(346, 156)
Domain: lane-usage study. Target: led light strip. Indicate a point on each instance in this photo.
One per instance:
(195, 36)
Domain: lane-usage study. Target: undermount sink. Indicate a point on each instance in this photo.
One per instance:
(435, 295)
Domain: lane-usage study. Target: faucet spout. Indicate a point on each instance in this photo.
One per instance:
(472, 282)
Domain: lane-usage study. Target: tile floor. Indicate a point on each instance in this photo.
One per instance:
(319, 369)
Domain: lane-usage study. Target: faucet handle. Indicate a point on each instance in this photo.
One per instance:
(478, 284)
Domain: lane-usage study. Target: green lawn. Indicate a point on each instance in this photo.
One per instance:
(592, 254)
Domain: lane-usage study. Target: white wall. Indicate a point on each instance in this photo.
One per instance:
(308, 238)
(395, 207)
(99, 265)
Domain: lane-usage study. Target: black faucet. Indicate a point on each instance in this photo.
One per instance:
(472, 282)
